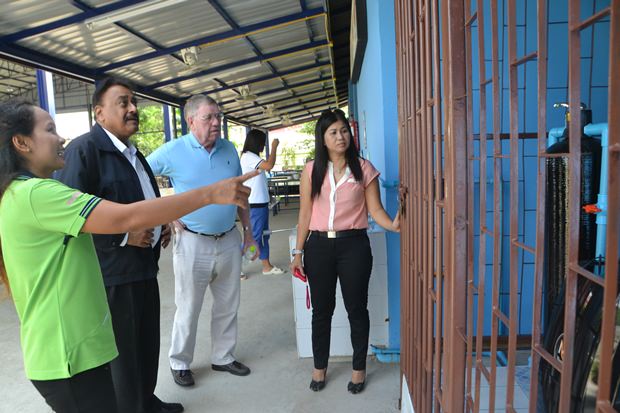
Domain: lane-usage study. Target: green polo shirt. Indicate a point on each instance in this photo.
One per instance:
(55, 279)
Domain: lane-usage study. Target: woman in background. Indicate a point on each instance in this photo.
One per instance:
(259, 197)
(338, 190)
(49, 265)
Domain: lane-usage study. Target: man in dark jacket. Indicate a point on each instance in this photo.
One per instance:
(105, 163)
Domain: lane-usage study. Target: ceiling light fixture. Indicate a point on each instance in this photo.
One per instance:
(128, 12)
(286, 120)
(270, 111)
(245, 95)
(190, 55)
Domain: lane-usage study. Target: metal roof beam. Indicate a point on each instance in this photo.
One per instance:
(236, 64)
(222, 12)
(304, 6)
(268, 77)
(39, 60)
(305, 109)
(228, 35)
(293, 105)
(280, 89)
(67, 21)
(80, 4)
(237, 120)
(297, 96)
(296, 121)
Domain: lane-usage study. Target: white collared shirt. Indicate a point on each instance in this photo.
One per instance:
(145, 182)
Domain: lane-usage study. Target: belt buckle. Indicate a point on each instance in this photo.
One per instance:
(331, 234)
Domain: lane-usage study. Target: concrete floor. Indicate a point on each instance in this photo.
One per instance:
(279, 379)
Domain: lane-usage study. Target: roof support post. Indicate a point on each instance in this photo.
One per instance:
(45, 89)
(183, 123)
(167, 123)
(225, 127)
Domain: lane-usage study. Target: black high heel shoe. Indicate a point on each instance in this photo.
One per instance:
(355, 388)
(318, 385)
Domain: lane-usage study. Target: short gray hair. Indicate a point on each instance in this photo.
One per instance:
(193, 103)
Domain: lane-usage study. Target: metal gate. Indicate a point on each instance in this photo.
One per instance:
(448, 361)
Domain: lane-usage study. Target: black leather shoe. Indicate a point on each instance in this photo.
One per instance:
(182, 377)
(355, 388)
(159, 406)
(235, 368)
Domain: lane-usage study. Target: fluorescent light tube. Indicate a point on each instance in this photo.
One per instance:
(128, 12)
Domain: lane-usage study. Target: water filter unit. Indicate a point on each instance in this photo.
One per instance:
(592, 228)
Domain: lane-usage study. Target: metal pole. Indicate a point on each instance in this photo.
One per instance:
(167, 126)
(45, 89)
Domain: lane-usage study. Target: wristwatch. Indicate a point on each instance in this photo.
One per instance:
(295, 251)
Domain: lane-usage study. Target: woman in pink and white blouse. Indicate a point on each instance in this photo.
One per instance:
(338, 191)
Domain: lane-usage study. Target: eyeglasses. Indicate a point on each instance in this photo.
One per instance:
(209, 117)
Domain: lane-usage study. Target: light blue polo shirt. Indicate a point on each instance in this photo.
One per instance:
(189, 166)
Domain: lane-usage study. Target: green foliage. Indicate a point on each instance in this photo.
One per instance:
(308, 128)
(150, 136)
(287, 154)
(595, 370)
(307, 145)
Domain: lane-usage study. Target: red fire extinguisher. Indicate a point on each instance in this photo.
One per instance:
(356, 133)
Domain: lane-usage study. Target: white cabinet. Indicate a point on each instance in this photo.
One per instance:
(341, 333)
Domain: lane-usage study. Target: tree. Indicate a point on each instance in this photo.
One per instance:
(150, 136)
(307, 145)
(288, 157)
(308, 128)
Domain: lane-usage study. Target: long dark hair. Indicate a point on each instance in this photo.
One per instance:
(255, 141)
(327, 118)
(16, 118)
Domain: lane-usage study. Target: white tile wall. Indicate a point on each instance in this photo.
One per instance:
(377, 306)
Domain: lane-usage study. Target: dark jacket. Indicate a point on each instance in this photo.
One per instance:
(95, 166)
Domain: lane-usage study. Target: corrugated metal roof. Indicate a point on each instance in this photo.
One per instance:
(280, 48)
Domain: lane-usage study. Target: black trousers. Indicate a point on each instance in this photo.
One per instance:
(88, 392)
(325, 261)
(135, 318)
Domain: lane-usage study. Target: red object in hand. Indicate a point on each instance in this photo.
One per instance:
(301, 277)
(297, 274)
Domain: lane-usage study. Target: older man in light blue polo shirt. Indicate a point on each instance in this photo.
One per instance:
(207, 245)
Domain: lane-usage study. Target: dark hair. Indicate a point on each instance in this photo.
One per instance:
(255, 141)
(16, 118)
(106, 83)
(321, 156)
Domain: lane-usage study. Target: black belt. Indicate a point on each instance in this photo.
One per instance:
(216, 236)
(340, 234)
(263, 205)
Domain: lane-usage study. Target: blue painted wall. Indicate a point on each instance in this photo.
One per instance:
(376, 111)
(375, 107)
(594, 78)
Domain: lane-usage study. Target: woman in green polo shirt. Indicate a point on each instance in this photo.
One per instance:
(48, 258)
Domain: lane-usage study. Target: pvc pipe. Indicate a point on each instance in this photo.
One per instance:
(602, 130)
(386, 354)
(269, 231)
(554, 135)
